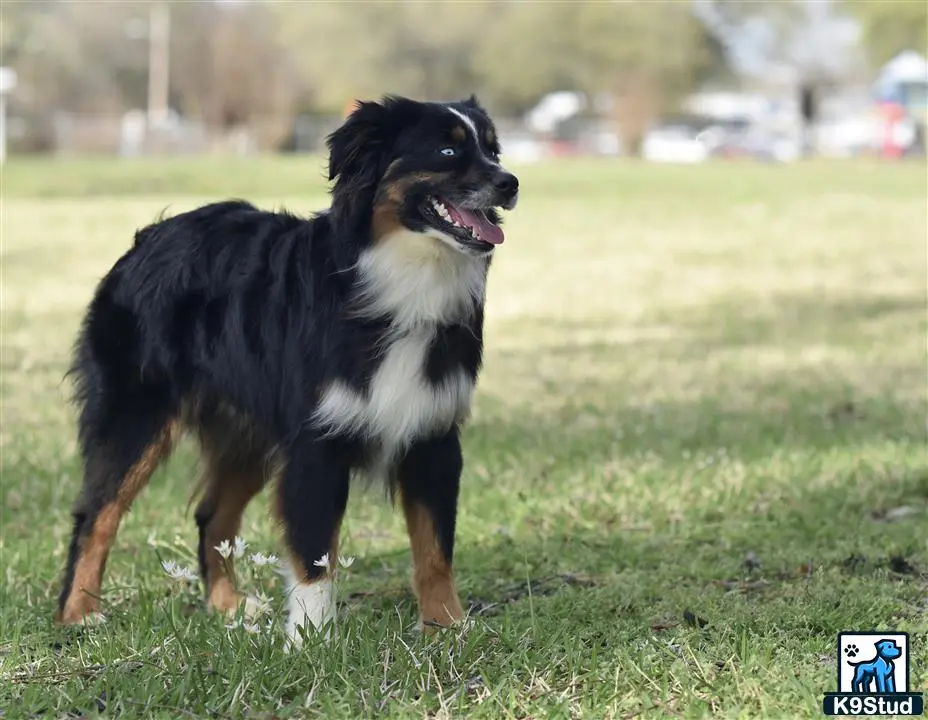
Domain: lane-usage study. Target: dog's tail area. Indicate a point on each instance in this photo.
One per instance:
(87, 380)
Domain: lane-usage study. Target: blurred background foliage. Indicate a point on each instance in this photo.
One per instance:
(240, 62)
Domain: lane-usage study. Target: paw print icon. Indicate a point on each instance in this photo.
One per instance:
(851, 651)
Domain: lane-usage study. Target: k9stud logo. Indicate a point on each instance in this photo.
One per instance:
(873, 676)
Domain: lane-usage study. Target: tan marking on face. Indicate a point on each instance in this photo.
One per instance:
(490, 137)
(459, 133)
(386, 219)
(390, 199)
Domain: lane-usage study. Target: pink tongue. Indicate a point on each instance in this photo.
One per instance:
(475, 219)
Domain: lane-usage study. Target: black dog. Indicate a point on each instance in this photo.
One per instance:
(347, 342)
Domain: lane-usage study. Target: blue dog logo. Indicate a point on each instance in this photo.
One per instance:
(873, 676)
(879, 674)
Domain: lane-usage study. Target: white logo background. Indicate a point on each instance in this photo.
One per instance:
(866, 651)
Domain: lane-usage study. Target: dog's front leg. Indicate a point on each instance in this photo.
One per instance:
(312, 499)
(881, 675)
(429, 478)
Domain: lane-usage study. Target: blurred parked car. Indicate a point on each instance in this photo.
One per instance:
(674, 144)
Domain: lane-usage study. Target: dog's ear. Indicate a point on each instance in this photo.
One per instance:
(474, 103)
(361, 137)
(360, 151)
(358, 155)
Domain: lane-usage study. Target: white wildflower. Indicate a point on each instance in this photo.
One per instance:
(257, 605)
(239, 549)
(345, 561)
(248, 627)
(261, 559)
(178, 572)
(322, 562)
(224, 548)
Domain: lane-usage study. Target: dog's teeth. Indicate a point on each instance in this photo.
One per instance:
(441, 210)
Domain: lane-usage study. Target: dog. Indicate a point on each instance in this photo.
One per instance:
(880, 670)
(314, 350)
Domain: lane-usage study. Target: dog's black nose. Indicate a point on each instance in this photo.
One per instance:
(506, 183)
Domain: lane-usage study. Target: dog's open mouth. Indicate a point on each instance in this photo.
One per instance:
(467, 225)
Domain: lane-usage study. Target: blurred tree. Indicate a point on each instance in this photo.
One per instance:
(511, 53)
(227, 65)
(230, 69)
(812, 37)
(808, 46)
(643, 55)
(352, 50)
(249, 63)
(70, 56)
(890, 26)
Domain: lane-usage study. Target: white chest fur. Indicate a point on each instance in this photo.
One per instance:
(400, 404)
(420, 283)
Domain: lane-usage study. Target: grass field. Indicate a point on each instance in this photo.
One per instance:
(698, 453)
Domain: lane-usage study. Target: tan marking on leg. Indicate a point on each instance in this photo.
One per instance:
(83, 597)
(229, 493)
(433, 578)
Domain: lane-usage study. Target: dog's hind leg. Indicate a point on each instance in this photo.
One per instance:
(128, 422)
(235, 473)
(862, 680)
(119, 458)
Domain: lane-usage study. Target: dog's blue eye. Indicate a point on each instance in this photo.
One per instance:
(447, 151)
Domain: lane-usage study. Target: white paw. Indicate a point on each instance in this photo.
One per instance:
(96, 618)
(310, 604)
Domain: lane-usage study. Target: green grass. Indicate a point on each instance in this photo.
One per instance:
(698, 453)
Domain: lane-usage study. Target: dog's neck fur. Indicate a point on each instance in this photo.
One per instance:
(417, 280)
(420, 284)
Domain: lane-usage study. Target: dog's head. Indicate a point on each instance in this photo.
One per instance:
(888, 650)
(429, 168)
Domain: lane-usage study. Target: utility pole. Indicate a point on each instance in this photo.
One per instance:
(159, 44)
